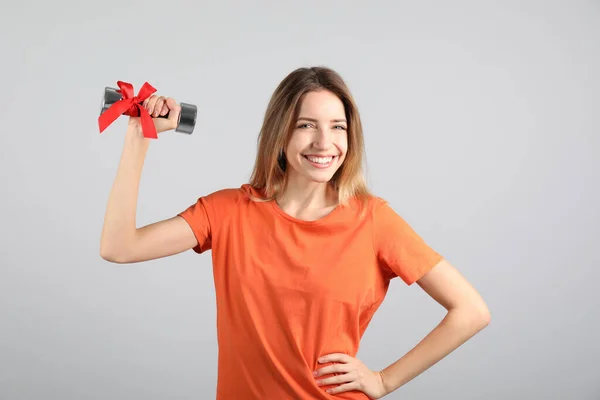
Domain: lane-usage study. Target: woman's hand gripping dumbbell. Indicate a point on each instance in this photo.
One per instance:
(164, 112)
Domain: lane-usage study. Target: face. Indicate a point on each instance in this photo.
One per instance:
(319, 142)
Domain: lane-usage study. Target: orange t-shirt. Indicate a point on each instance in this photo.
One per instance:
(289, 291)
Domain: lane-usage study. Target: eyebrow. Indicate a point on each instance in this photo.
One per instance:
(314, 120)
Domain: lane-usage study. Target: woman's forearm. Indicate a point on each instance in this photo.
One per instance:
(120, 216)
(455, 329)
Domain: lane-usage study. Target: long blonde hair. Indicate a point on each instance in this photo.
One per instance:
(269, 175)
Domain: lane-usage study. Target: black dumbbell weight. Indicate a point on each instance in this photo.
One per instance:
(187, 116)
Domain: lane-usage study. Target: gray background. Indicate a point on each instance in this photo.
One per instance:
(482, 130)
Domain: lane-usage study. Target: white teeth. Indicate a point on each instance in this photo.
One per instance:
(320, 160)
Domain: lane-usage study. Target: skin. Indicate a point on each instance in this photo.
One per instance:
(466, 315)
(306, 197)
(320, 130)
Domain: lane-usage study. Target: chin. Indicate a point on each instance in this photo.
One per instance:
(321, 180)
(322, 177)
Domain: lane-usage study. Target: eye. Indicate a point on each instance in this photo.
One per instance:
(342, 127)
(303, 125)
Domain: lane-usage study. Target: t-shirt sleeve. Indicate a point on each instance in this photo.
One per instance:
(207, 214)
(400, 250)
(197, 217)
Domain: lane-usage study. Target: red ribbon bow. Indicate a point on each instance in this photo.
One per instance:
(130, 105)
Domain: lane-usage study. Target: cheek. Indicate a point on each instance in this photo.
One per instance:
(295, 145)
(292, 150)
(293, 154)
(342, 144)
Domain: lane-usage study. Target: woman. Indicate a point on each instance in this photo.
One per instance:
(302, 255)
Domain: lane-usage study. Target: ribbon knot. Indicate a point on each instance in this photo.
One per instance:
(133, 110)
(131, 105)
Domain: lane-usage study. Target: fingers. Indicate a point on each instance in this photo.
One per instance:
(334, 368)
(344, 388)
(173, 109)
(159, 105)
(156, 105)
(149, 103)
(164, 111)
(338, 357)
(345, 378)
(163, 106)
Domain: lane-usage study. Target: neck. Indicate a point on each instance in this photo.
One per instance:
(301, 195)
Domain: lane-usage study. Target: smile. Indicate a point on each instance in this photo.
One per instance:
(320, 162)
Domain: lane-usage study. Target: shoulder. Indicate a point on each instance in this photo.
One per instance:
(216, 206)
(362, 209)
(368, 205)
(229, 194)
(380, 206)
(225, 198)
(384, 216)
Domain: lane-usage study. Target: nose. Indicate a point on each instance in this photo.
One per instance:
(323, 138)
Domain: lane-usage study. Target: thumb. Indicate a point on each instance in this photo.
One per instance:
(174, 110)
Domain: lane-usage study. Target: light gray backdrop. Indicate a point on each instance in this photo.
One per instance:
(482, 130)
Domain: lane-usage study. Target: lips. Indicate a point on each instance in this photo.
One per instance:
(320, 161)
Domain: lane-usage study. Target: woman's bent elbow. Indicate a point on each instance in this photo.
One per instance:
(113, 256)
(481, 316)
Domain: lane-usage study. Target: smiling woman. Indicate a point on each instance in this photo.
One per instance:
(312, 114)
(317, 147)
(303, 254)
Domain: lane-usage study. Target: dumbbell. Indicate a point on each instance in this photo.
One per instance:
(187, 116)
